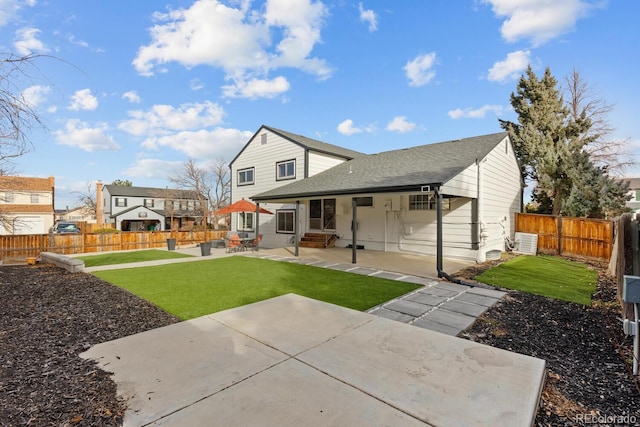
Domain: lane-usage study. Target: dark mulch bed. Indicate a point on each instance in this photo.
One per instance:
(49, 316)
(590, 378)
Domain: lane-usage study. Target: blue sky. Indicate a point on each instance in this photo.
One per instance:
(133, 89)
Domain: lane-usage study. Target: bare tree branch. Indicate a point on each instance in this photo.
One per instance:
(582, 100)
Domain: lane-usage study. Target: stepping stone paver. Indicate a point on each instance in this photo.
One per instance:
(464, 307)
(408, 307)
(487, 292)
(455, 320)
(477, 299)
(426, 299)
(393, 315)
(387, 275)
(437, 327)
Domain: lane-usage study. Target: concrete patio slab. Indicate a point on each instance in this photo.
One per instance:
(292, 361)
(277, 328)
(290, 394)
(438, 290)
(441, 380)
(493, 293)
(167, 369)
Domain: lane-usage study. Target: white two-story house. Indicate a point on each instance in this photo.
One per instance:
(273, 158)
(26, 204)
(143, 208)
(456, 198)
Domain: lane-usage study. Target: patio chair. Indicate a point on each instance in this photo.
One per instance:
(233, 244)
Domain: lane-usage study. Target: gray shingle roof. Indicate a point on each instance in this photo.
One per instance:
(398, 170)
(156, 193)
(316, 145)
(309, 143)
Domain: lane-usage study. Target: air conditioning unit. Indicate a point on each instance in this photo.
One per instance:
(526, 243)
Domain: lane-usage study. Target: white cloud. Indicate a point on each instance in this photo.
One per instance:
(511, 68)
(368, 16)
(478, 113)
(27, 43)
(83, 100)
(540, 20)
(419, 70)
(35, 95)
(71, 38)
(166, 119)
(347, 128)
(196, 84)
(9, 10)
(153, 168)
(210, 144)
(132, 96)
(246, 43)
(400, 124)
(256, 88)
(80, 135)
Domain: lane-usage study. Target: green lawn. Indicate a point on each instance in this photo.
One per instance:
(545, 275)
(193, 289)
(126, 257)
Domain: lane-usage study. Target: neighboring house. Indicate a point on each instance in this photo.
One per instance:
(475, 181)
(273, 158)
(26, 205)
(634, 192)
(143, 208)
(81, 214)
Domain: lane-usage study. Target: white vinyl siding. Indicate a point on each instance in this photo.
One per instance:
(319, 162)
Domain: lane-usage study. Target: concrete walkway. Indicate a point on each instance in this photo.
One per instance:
(291, 361)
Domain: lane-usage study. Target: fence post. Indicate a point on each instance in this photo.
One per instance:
(636, 249)
(559, 233)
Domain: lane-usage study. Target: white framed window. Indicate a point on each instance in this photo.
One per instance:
(246, 176)
(148, 203)
(35, 198)
(263, 139)
(245, 221)
(285, 221)
(121, 202)
(9, 197)
(364, 201)
(426, 202)
(286, 170)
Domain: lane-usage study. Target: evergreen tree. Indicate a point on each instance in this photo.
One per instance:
(549, 140)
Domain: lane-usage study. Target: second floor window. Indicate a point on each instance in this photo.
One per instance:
(286, 169)
(148, 203)
(9, 197)
(121, 202)
(245, 176)
(35, 199)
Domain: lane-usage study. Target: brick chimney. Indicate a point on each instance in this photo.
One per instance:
(99, 209)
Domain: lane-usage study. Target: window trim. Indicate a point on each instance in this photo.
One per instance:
(34, 198)
(115, 202)
(430, 204)
(245, 182)
(286, 177)
(244, 215)
(293, 222)
(149, 203)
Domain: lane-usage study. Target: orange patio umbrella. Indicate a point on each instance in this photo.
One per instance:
(242, 205)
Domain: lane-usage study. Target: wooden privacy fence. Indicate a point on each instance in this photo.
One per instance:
(586, 237)
(19, 247)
